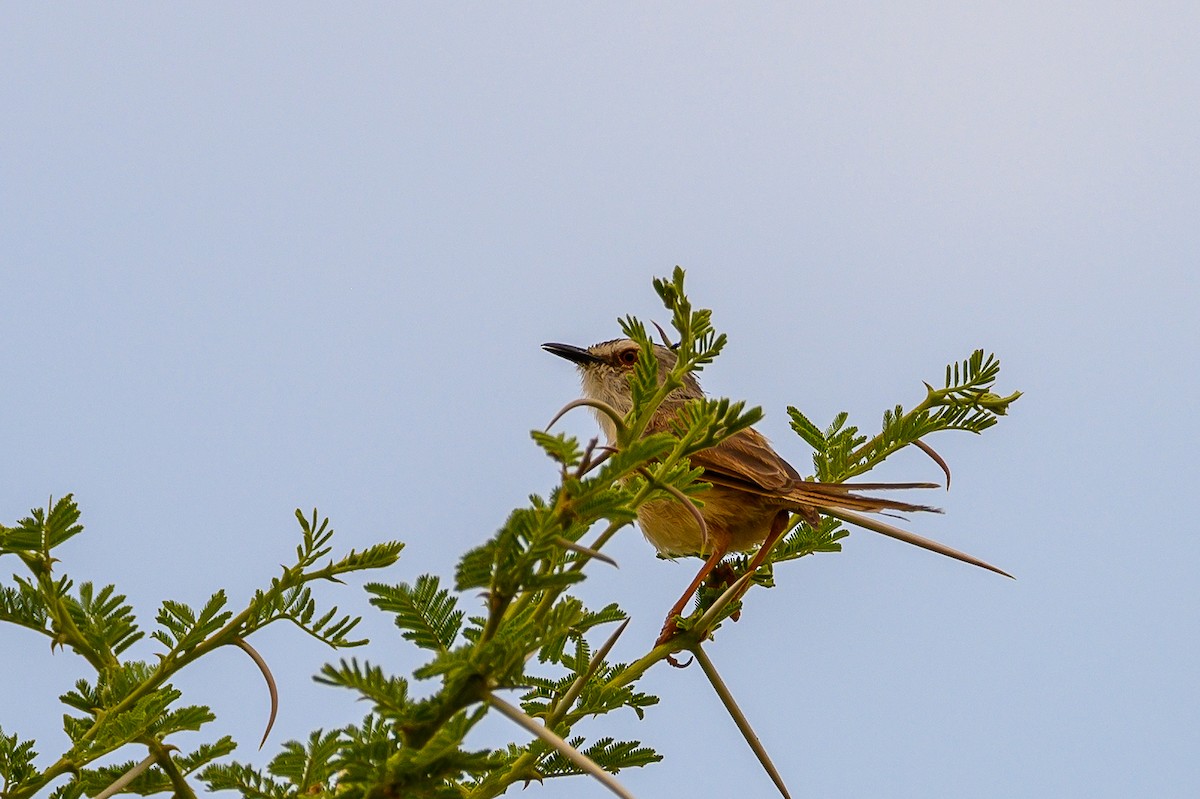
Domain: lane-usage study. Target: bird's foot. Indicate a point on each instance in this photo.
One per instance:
(669, 631)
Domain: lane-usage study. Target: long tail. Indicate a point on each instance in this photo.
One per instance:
(839, 501)
(842, 495)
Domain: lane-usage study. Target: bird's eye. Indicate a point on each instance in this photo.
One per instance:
(628, 357)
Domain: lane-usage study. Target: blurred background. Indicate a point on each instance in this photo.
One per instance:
(255, 258)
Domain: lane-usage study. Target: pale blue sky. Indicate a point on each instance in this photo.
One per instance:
(297, 254)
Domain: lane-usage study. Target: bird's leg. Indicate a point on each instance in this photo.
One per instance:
(721, 578)
(778, 525)
(671, 626)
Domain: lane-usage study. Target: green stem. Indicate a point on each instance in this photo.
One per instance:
(63, 766)
(68, 633)
(163, 754)
(237, 627)
(932, 399)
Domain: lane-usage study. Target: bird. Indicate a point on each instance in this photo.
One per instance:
(753, 492)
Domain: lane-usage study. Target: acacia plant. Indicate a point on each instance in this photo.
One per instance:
(535, 654)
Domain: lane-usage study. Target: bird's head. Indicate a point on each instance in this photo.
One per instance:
(606, 368)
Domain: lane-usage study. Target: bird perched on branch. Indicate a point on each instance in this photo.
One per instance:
(754, 490)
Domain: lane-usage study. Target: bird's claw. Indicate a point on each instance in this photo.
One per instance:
(670, 630)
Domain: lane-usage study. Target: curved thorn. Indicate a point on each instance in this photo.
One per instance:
(126, 778)
(582, 550)
(684, 499)
(928, 450)
(550, 737)
(662, 334)
(883, 528)
(241, 644)
(739, 718)
(603, 407)
(676, 664)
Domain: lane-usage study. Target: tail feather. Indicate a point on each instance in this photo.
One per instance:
(911, 538)
(841, 495)
(839, 501)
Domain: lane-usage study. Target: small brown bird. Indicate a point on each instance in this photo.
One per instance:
(754, 490)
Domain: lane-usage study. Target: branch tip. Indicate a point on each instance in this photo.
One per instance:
(739, 718)
(582, 550)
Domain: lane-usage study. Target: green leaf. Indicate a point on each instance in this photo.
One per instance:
(42, 531)
(296, 605)
(609, 754)
(807, 430)
(104, 618)
(154, 779)
(16, 761)
(183, 629)
(25, 605)
(560, 447)
(388, 694)
(246, 780)
(440, 762)
(965, 403)
(68, 790)
(204, 754)
(378, 556)
(310, 769)
(96, 737)
(183, 719)
(427, 615)
(317, 535)
(363, 759)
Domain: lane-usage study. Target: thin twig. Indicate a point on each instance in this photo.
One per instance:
(883, 528)
(550, 737)
(582, 550)
(564, 704)
(241, 644)
(739, 718)
(126, 778)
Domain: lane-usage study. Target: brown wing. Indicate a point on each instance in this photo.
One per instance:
(746, 460)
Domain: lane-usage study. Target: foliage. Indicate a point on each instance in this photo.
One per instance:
(131, 702)
(535, 641)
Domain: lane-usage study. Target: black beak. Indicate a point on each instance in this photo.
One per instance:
(571, 353)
